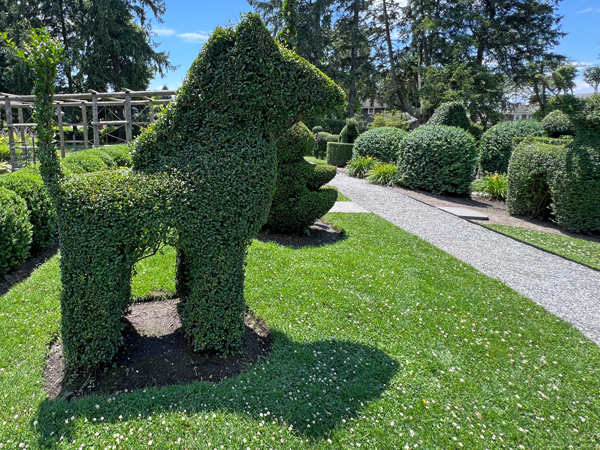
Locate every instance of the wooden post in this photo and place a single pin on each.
(95, 119)
(11, 137)
(61, 132)
(128, 129)
(85, 126)
(33, 147)
(23, 136)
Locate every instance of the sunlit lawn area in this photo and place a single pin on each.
(576, 249)
(379, 340)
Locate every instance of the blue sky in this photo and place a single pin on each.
(187, 24)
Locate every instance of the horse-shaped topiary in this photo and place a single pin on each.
(203, 179)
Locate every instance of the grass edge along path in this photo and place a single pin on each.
(580, 250)
(380, 340)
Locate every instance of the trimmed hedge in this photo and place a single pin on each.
(321, 145)
(381, 143)
(451, 114)
(84, 162)
(350, 132)
(339, 154)
(558, 177)
(42, 215)
(496, 143)
(15, 230)
(299, 199)
(557, 124)
(207, 174)
(437, 159)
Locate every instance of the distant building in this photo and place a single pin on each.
(526, 112)
(372, 107)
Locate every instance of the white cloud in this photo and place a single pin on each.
(587, 10)
(164, 32)
(194, 37)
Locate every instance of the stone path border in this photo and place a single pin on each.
(567, 289)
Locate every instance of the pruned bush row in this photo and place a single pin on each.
(338, 154)
(322, 139)
(496, 143)
(438, 159)
(381, 143)
(15, 230)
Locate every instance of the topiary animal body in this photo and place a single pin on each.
(451, 114)
(350, 132)
(204, 172)
(299, 198)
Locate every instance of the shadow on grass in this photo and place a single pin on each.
(24, 271)
(319, 234)
(312, 387)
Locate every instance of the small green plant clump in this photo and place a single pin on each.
(438, 159)
(360, 166)
(300, 197)
(390, 118)
(558, 124)
(496, 143)
(350, 132)
(15, 230)
(384, 174)
(338, 154)
(451, 114)
(493, 185)
(380, 143)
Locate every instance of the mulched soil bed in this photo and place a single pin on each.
(321, 233)
(155, 353)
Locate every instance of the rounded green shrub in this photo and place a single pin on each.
(437, 159)
(120, 154)
(299, 198)
(317, 129)
(42, 215)
(350, 132)
(557, 124)
(381, 143)
(496, 143)
(451, 114)
(15, 230)
(339, 154)
(85, 161)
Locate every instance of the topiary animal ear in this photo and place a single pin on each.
(253, 36)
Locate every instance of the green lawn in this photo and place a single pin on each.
(576, 249)
(312, 159)
(379, 339)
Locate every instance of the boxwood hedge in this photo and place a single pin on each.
(451, 114)
(437, 159)
(299, 199)
(205, 169)
(339, 154)
(321, 144)
(381, 143)
(496, 143)
(15, 230)
(350, 132)
(557, 124)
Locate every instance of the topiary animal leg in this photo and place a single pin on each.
(212, 311)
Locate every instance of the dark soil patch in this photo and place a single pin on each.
(155, 353)
(26, 269)
(321, 233)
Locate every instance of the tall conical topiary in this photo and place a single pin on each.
(299, 197)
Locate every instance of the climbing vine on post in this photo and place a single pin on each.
(289, 32)
(43, 55)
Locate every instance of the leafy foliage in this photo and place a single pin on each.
(360, 166)
(338, 154)
(452, 114)
(390, 118)
(206, 168)
(557, 124)
(494, 185)
(437, 159)
(381, 143)
(299, 198)
(350, 132)
(15, 230)
(42, 215)
(496, 143)
(385, 174)
(322, 139)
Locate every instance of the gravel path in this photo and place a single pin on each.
(567, 289)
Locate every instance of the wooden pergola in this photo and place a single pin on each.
(94, 100)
